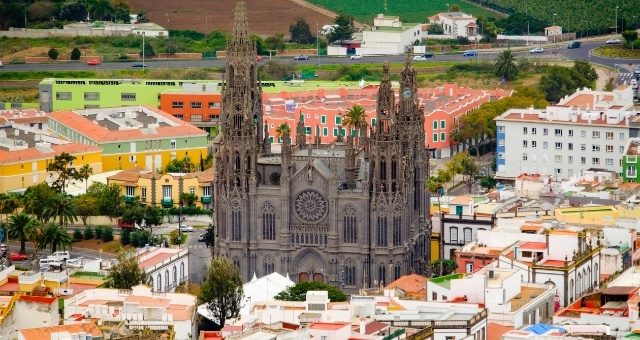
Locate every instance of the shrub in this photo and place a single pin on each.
(173, 237)
(107, 234)
(77, 235)
(140, 237)
(53, 54)
(125, 236)
(75, 54)
(98, 232)
(88, 233)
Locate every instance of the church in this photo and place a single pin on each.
(353, 213)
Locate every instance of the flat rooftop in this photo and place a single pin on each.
(527, 294)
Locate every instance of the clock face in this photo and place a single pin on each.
(406, 92)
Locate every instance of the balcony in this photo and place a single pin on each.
(129, 199)
(167, 202)
(205, 199)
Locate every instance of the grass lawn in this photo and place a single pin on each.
(407, 10)
(617, 51)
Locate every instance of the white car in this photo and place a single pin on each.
(419, 58)
(634, 83)
(75, 263)
(614, 41)
(536, 50)
(356, 57)
(60, 256)
(185, 228)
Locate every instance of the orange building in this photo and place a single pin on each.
(201, 109)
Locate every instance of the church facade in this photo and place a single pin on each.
(353, 213)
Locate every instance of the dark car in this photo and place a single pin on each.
(140, 65)
(301, 57)
(574, 44)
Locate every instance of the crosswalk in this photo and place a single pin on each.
(197, 246)
(625, 78)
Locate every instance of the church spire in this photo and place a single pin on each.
(240, 25)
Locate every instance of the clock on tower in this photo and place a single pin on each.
(406, 93)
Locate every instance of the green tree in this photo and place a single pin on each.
(275, 42)
(557, 83)
(274, 70)
(17, 229)
(61, 167)
(107, 234)
(84, 173)
(180, 165)
(100, 9)
(36, 199)
(77, 235)
(344, 30)
(62, 207)
(298, 292)
(505, 65)
(630, 37)
(121, 10)
(9, 203)
(53, 54)
(301, 32)
(441, 267)
(55, 236)
(356, 118)
(584, 74)
(148, 50)
(465, 165)
(188, 199)
(153, 215)
(75, 54)
(488, 182)
(283, 130)
(86, 205)
(221, 291)
(126, 273)
(435, 185)
(109, 199)
(88, 233)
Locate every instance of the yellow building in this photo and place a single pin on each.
(132, 137)
(153, 188)
(26, 151)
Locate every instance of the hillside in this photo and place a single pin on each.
(266, 17)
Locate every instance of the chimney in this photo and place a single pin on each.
(362, 326)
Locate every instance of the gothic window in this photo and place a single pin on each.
(166, 279)
(159, 282)
(382, 274)
(181, 271)
(349, 273)
(383, 168)
(381, 232)
(237, 162)
(269, 266)
(268, 222)
(310, 206)
(175, 276)
(397, 230)
(349, 229)
(236, 232)
(394, 168)
(397, 271)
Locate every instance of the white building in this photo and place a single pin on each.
(389, 35)
(586, 130)
(456, 24)
(165, 267)
(137, 309)
(23, 311)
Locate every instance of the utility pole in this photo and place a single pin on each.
(143, 65)
(616, 25)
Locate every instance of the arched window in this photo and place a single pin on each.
(236, 231)
(269, 266)
(159, 283)
(397, 231)
(579, 284)
(596, 275)
(175, 276)
(349, 273)
(268, 222)
(394, 168)
(151, 282)
(571, 292)
(237, 162)
(588, 276)
(383, 168)
(382, 231)
(182, 271)
(350, 234)
(166, 279)
(453, 234)
(397, 271)
(382, 274)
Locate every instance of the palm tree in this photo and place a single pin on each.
(84, 173)
(55, 236)
(283, 130)
(435, 185)
(355, 118)
(505, 65)
(18, 229)
(62, 207)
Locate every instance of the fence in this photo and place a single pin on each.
(183, 56)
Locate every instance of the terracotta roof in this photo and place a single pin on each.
(41, 333)
(495, 331)
(33, 153)
(147, 301)
(461, 200)
(620, 290)
(97, 133)
(374, 327)
(411, 283)
(533, 246)
(130, 176)
(329, 326)
(155, 260)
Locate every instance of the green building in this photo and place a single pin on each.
(631, 161)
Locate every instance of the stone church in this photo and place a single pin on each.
(353, 213)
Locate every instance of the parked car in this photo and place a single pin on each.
(202, 238)
(60, 256)
(141, 65)
(356, 57)
(52, 263)
(93, 62)
(573, 44)
(1, 64)
(75, 263)
(471, 53)
(536, 50)
(614, 41)
(14, 256)
(301, 57)
(636, 71)
(185, 228)
(634, 84)
(259, 58)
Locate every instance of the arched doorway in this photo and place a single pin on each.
(309, 266)
(303, 277)
(318, 277)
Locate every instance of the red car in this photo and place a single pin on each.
(93, 62)
(258, 58)
(17, 256)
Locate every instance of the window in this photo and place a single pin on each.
(325, 131)
(525, 130)
(533, 144)
(323, 119)
(609, 148)
(583, 133)
(558, 146)
(557, 171)
(435, 125)
(373, 122)
(545, 145)
(206, 191)
(338, 120)
(268, 222)
(595, 161)
(609, 161)
(179, 116)
(63, 95)
(130, 190)
(307, 130)
(609, 135)
(434, 296)
(173, 144)
(236, 232)
(192, 190)
(583, 147)
(177, 105)
(500, 155)
(382, 231)
(443, 136)
(127, 97)
(545, 131)
(349, 234)
(595, 134)
(214, 105)
(558, 132)
(196, 105)
(442, 124)
(570, 146)
(526, 254)
(557, 159)
(534, 131)
(524, 156)
(583, 160)
(466, 232)
(621, 135)
(595, 148)
(570, 133)
(214, 117)
(621, 149)
(196, 118)
(435, 137)
(349, 273)
(524, 143)
(166, 191)
(453, 234)
(500, 128)
(143, 192)
(631, 171)
(570, 159)
(397, 231)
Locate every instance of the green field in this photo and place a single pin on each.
(407, 10)
(585, 17)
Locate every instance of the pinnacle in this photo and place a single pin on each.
(240, 25)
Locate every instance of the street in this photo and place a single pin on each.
(199, 254)
(74, 252)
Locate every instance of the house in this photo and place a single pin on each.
(552, 31)
(412, 286)
(131, 136)
(459, 230)
(136, 309)
(631, 161)
(62, 332)
(456, 24)
(196, 103)
(390, 36)
(166, 268)
(18, 312)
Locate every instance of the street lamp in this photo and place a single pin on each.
(616, 25)
(143, 65)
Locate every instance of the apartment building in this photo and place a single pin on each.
(587, 130)
(198, 104)
(132, 136)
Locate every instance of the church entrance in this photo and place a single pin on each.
(309, 265)
(304, 277)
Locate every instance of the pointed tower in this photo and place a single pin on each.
(242, 140)
(301, 137)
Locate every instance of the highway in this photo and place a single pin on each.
(582, 53)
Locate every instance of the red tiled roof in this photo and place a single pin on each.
(495, 331)
(329, 326)
(41, 333)
(533, 246)
(33, 153)
(374, 327)
(97, 133)
(412, 283)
